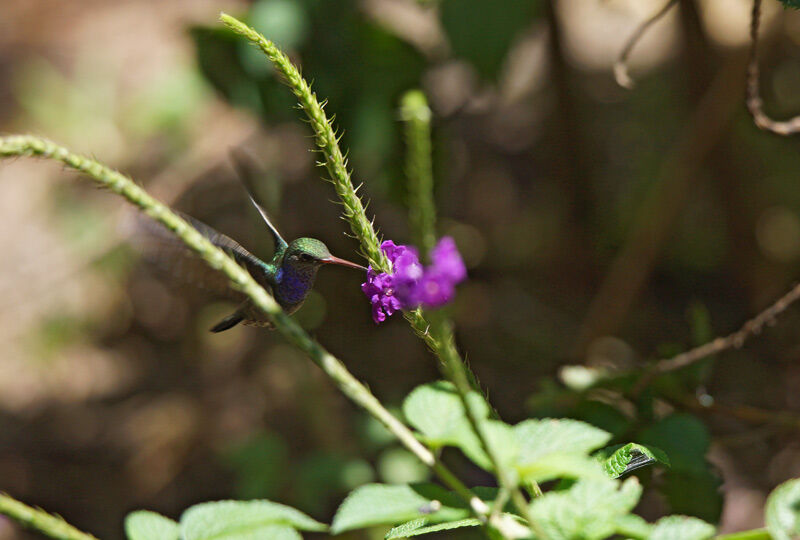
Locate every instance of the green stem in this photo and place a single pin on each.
(240, 279)
(39, 520)
(438, 333)
(419, 170)
(354, 211)
(756, 534)
(326, 139)
(455, 370)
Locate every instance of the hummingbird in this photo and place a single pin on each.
(289, 274)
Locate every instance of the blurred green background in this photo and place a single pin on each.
(602, 227)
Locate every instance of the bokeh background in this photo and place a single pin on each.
(602, 227)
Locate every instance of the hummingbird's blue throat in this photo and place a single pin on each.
(294, 283)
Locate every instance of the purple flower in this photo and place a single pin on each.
(410, 285)
(379, 288)
(447, 261)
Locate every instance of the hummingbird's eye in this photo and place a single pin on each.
(305, 257)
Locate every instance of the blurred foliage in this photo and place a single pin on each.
(360, 68)
(541, 203)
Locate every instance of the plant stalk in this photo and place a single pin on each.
(39, 520)
(240, 279)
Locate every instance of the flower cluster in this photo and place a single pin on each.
(410, 284)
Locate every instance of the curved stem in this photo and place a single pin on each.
(755, 104)
(240, 279)
(39, 520)
(621, 64)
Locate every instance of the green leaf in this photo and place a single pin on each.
(380, 504)
(146, 525)
(683, 527)
(436, 411)
(633, 526)
(550, 449)
(783, 511)
(231, 520)
(538, 438)
(794, 4)
(693, 494)
(419, 526)
(683, 438)
(554, 466)
(622, 459)
(588, 510)
(689, 485)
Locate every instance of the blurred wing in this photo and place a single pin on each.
(244, 167)
(162, 249)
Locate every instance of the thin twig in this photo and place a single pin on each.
(744, 413)
(754, 102)
(621, 64)
(39, 520)
(25, 145)
(732, 341)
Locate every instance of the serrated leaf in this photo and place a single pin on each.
(380, 504)
(586, 511)
(633, 526)
(622, 459)
(538, 438)
(550, 449)
(782, 513)
(229, 520)
(554, 466)
(418, 527)
(681, 527)
(146, 525)
(436, 411)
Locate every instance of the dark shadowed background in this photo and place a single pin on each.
(601, 226)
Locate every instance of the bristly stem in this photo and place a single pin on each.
(416, 114)
(327, 141)
(435, 329)
(39, 520)
(240, 279)
(354, 212)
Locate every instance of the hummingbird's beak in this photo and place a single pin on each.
(341, 262)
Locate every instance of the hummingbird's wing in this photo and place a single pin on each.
(166, 252)
(245, 168)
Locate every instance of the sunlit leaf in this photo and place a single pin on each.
(229, 520)
(681, 527)
(419, 526)
(782, 513)
(145, 525)
(622, 459)
(381, 504)
(587, 511)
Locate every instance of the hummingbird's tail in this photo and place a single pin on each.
(228, 322)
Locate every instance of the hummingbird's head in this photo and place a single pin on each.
(312, 253)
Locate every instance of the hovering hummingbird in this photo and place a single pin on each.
(290, 274)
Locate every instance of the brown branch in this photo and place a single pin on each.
(743, 413)
(732, 341)
(754, 102)
(632, 266)
(621, 64)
